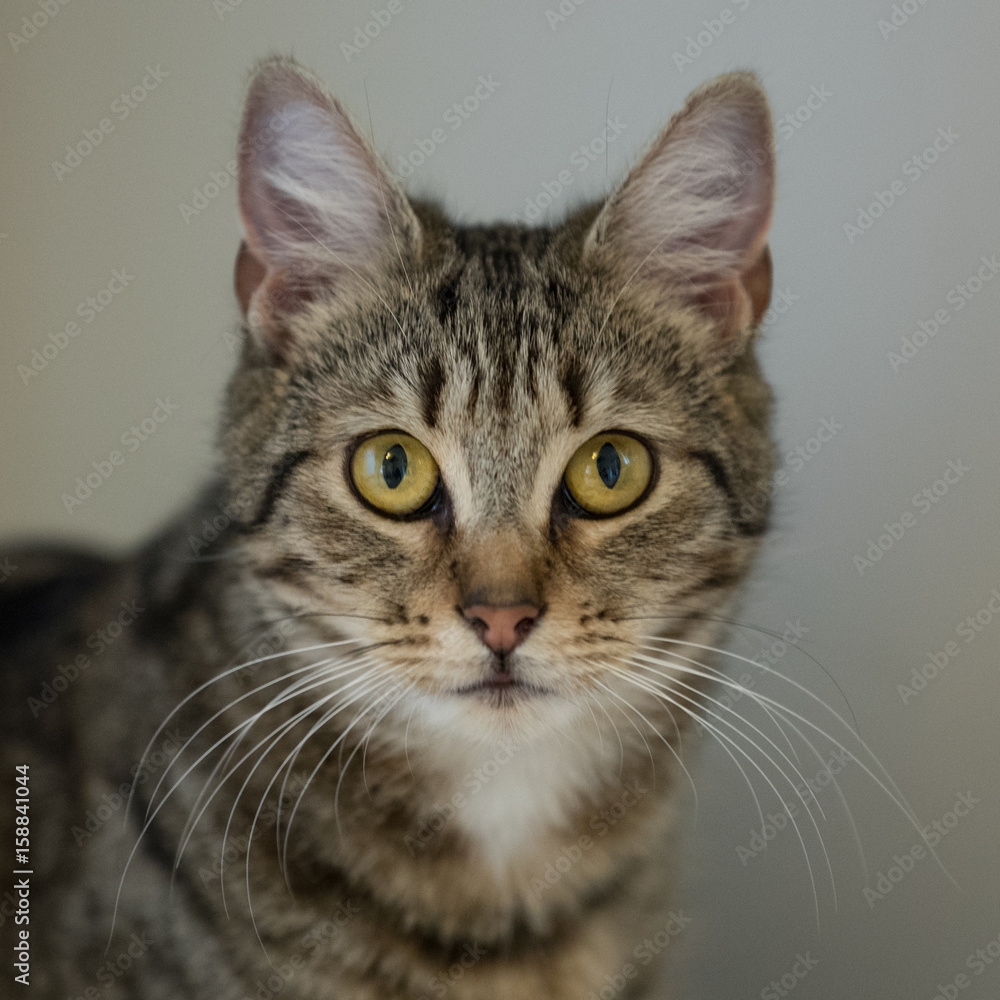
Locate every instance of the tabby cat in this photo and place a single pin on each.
(396, 709)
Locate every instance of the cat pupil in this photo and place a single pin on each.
(394, 466)
(609, 464)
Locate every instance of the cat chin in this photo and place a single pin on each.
(473, 718)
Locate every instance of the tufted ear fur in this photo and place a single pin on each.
(690, 222)
(318, 210)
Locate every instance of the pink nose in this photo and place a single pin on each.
(501, 628)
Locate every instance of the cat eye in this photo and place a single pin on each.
(609, 474)
(394, 473)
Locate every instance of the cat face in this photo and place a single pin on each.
(498, 457)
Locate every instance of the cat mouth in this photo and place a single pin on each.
(502, 689)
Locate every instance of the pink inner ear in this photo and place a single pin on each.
(692, 217)
(248, 276)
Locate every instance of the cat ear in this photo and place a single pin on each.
(690, 221)
(318, 210)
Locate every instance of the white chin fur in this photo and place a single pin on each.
(511, 773)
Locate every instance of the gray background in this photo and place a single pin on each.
(168, 335)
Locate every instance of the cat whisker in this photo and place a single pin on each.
(369, 681)
(652, 762)
(319, 669)
(338, 741)
(328, 714)
(772, 670)
(289, 760)
(675, 683)
(893, 793)
(625, 675)
(207, 684)
(774, 713)
(229, 706)
(621, 746)
(364, 743)
(365, 679)
(589, 696)
(151, 816)
(318, 679)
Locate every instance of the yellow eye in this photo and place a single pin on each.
(394, 473)
(609, 473)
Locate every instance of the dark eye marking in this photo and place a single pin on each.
(572, 384)
(432, 384)
(716, 469)
(272, 492)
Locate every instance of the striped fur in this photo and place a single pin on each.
(459, 847)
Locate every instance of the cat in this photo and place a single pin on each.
(396, 708)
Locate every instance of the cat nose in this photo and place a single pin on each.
(504, 628)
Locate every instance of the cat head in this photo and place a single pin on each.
(497, 457)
